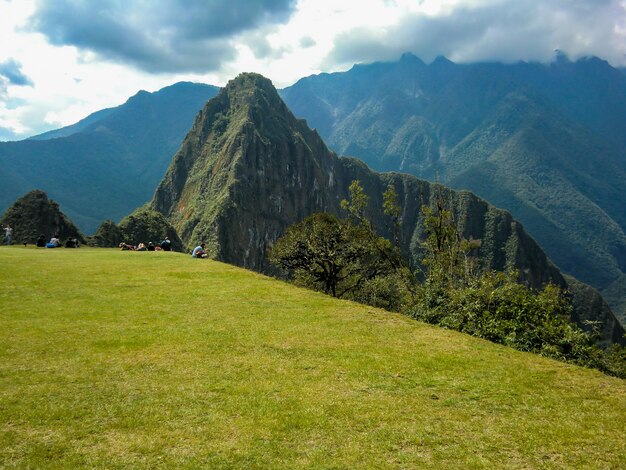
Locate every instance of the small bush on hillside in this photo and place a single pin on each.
(388, 292)
(108, 235)
(494, 306)
(614, 361)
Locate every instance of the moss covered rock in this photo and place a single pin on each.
(33, 215)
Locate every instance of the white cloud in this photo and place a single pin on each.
(497, 30)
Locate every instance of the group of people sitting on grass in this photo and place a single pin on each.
(165, 245)
(55, 242)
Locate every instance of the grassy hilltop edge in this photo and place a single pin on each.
(116, 359)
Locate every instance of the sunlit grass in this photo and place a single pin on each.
(116, 359)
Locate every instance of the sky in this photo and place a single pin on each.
(61, 60)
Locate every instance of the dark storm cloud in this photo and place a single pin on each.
(506, 30)
(11, 73)
(158, 35)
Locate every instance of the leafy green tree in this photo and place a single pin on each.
(328, 254)
(390, 253)
(393, 210)
(447, 258)
(342, 257)
(394, 290)
(357, 203)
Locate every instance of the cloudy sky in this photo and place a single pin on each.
(61, 60)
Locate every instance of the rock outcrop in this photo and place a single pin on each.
(142, 226)
(34, 214)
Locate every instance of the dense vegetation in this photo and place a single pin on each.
(114, 359)
(337, 256)
(344, 258)
(142, 226)
(248, 169)
(33, 215)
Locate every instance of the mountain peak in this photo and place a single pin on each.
(244, 138)
(410, 58)
(441, 61)
(253, 90)
(250, 80)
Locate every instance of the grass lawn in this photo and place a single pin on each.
(118, 359)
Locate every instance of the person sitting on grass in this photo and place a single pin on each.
(141, 247)
(150, 246)
(41, 241)
(198, 252)
(166, 245)
(54, 242)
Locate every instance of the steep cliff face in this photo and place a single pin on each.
(248, 169)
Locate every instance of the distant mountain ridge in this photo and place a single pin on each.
(108, 163)
(248, 169)
(80, 126)
(546, 142)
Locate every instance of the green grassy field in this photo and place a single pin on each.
(117, 359)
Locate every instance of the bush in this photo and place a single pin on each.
(494, 306)
(388, 292)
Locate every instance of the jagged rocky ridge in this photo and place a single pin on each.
(248, 169)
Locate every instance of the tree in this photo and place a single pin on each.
(345, 257)
(393, 210)
(447, 257)
(329, 254)
(356, 205)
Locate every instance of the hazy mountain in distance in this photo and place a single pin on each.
(109, 163)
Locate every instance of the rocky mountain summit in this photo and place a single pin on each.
(248, 168)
